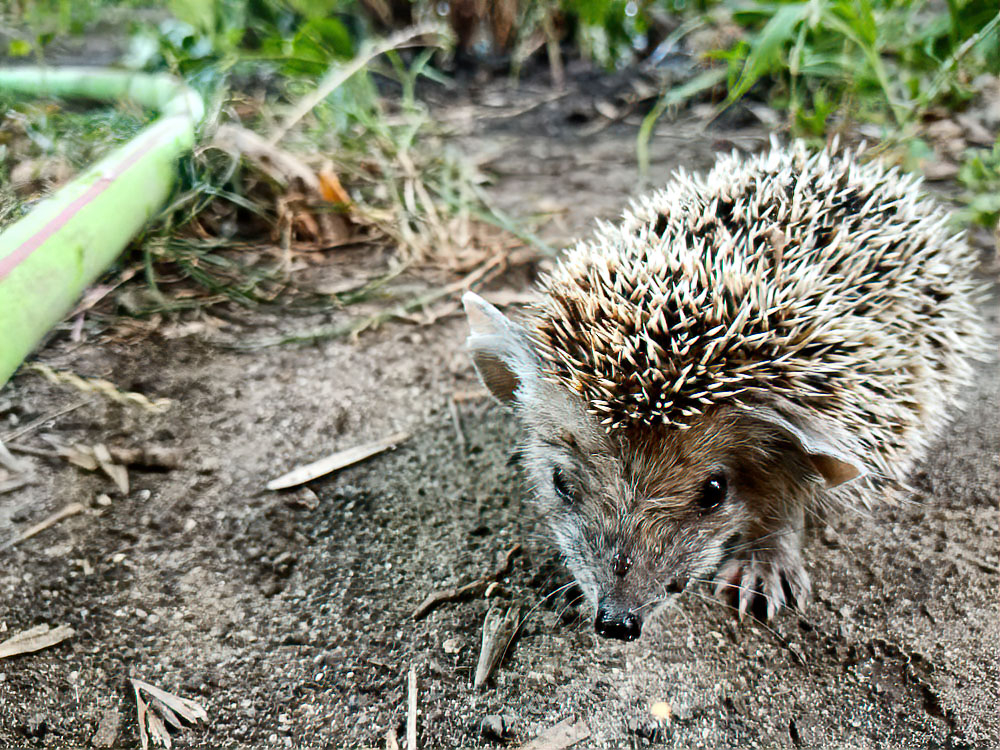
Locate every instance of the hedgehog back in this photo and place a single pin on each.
(819, 280)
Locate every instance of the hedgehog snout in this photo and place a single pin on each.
(677, 585)
(617, 620)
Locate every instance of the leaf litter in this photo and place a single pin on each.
(348, 182)
(34, 639)
(156, 708)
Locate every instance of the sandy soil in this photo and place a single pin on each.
(287, 615)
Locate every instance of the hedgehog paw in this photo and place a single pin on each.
(763, 583)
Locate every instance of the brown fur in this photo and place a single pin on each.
(637, 493)
(726, 359)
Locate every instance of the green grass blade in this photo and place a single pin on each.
(675, 95)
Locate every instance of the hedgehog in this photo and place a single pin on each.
(741, 352)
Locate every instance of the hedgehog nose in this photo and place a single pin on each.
(677, 585)
(613, 622)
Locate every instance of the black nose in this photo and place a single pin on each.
(613, 623)
(677, 585)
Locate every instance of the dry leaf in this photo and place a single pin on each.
(82, 456)
(168, 716)
(158, 730)
(140, 707)
(70, 510)
(335, 461)
(563, 735)
(499, 629)
(7, 460)
(331, 189)
(35, 639)
(162, 708)
(189, 710)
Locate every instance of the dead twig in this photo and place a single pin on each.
(499, 629)
(564, 734)
(70, 510)
(34, 639)
(148, 456)
(30, 451)
(456, 420)
(411, 709)
(9, 485)
(469, 590)
(335, 461)
(8, 461)
(36, 423)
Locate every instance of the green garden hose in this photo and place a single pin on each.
(50, 256)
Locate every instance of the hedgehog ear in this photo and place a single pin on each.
(499, 349)
(829, 453)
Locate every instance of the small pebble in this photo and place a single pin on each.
(107, 728)
(497, 726)
(661, 711)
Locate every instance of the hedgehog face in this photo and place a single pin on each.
(640, 511)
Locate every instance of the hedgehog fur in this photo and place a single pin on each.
(830, 283)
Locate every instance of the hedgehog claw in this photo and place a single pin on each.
(763, 584)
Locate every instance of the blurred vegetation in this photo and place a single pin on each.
(822, 65)
(886, 60)
(377, 171)
(980, 176)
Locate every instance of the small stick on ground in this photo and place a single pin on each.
(34, 639)
(35, 424)
(31, 451)
(564, 734)
(499, 629)
(554, 54)
(16, 483)
(8, 461)
(469, 590)
(456, 419)
(335, 461)
(411, 709)
(70, 510)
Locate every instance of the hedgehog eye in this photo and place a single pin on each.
(562, 487)
(713, 493)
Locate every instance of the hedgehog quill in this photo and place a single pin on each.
(743, 349)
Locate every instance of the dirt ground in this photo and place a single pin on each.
(288, 615)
